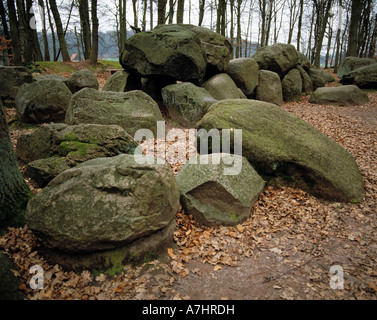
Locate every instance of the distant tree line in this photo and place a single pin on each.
(324, 30)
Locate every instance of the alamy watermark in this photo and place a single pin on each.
(219, 143)
(337, 278)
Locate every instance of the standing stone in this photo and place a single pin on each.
(292, 85)
(221, 87)
(186, 102)
(269, 87)
(244, 72)
(214, 197)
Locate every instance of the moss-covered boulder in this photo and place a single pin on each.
(57, 147)
(307, 84)
(244, 72)
(214, 197)
(103, 204)
(269, 88)
(317, 78)
(171, 50)
(221, 87)
(123, 81)
(43, 101)
(292, 85)
(131, 110)
(349, 95)
(287, 150)
(279, 58)
(56, 77)
(84, 79)
(364, 77)
(186, 102)
(11, 79)
(349, 64)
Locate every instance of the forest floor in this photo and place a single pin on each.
(293, 245)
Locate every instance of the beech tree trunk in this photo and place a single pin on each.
(14, 192)
(94, 51)
(59, 28)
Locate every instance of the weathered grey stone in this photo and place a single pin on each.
(364, 77)
(214, 196)
(349, 64)
(131, 110)
(186, 102)
(11, 79)
(84, 79)
(123, 81)
(292, 85)
(269, 88)
(285, 149)
(221, 87)
(349, 95)
(317, 78)
(244, 72)
(43, 101)
(303, 61)
(56, 77)
(104, 203)
(279, 58)
(173, 51)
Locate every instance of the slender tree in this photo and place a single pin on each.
(44, 30)
(352, 49)
(94, 51)
(85, 27)
(373, 42)
(299, 25)
(201, 11)
(59, 28)
(180, 11)
(161, 11)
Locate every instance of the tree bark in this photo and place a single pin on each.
(14, 192)
(352, 49)
(299, 25)
(32, 33)
(85, 27)
(13, 30)
(44, 30)
(59, 28)
(52, 30)
(151, 13)
(180, 11)
(161, 11)
(201, 11)
(94, 52)
(373, 42)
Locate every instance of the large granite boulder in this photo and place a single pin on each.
(349, 64)
(171, 51)
(292, 85)
(57, 147)
(307, 84)
(214, 197)
(123, 81)
(104, 203)
(269, 88)
(11, 79)
(349, 95)
(285, 149)
(186, 102)
(364, 77)
(43, 101)
(131, 110)
(221, 87)
(278, 57)
(84, 79)
(56, 77)
(244, 72)
(317, 78)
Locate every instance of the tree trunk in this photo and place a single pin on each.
(25, 47)
(373, 42)
(52, 30)
(171, 11)
(13, 30)
(144, 21)
(239, 38)
(44, 30)
(59, 28)
(201, 11)
(14, 192)
(180, 11)
(5, 28)
(161, 11)
(352, 49)
(32, 33)
(232, 25)
(134, 8)
(220, 25)
(337, 53)
(151, 13)
(85, 27)
(94, 52)
(328, 46)
(300, 24)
